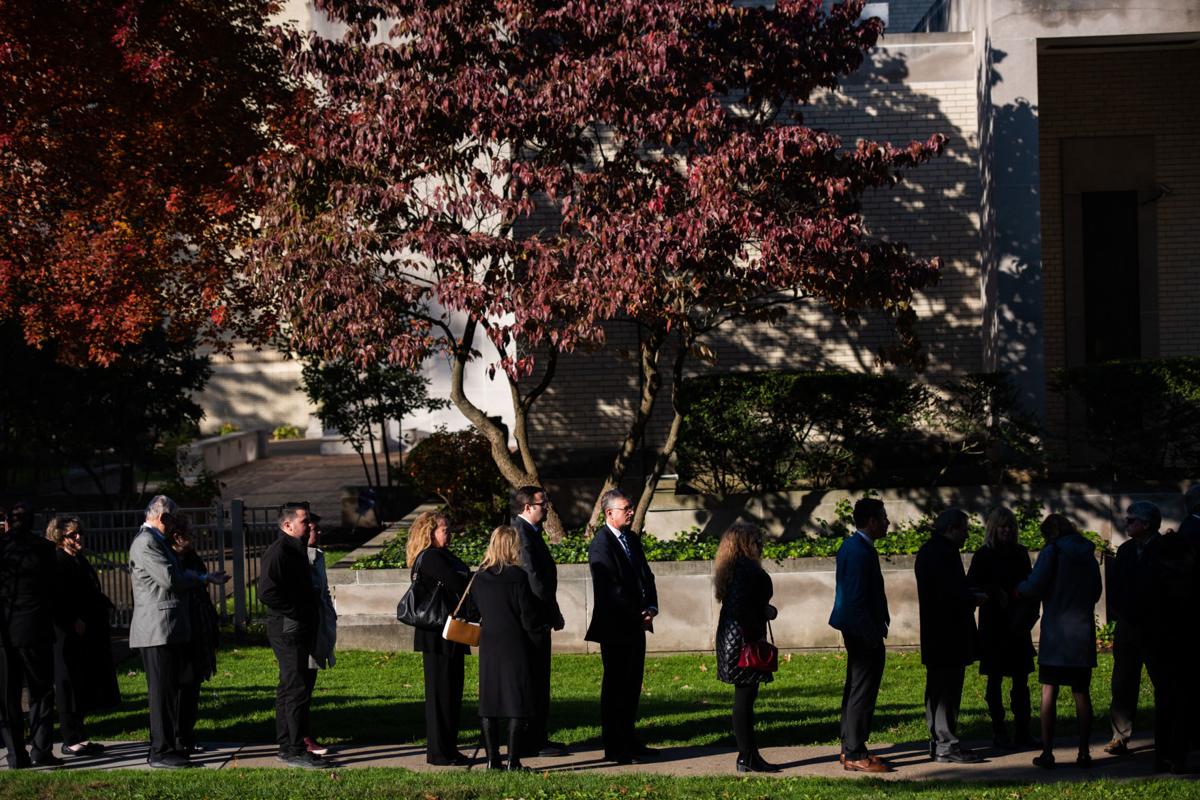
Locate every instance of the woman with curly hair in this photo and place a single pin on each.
(744, 589)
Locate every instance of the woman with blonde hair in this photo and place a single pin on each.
(511, 616)
(744, 589)
(85, 679)
(430, 560)
(1005, 642)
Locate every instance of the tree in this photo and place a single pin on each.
(664, 134)
(360, 401)
(123, 129)
(125, 414)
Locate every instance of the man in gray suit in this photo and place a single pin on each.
(160, 626)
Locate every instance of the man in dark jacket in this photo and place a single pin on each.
(28, 593)
(529, 508)
(860, 612)
(948, 634)
(624, 607)
(285, 587)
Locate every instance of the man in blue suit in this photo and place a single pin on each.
(860, 612)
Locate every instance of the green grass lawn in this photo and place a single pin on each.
(388, 784)
(377, 698)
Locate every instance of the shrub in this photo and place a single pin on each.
(761, 431)
(228, 428)
(287, 432)
(985, 420)
(458, 468)
(1140, 418)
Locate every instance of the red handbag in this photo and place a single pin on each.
(762, 655)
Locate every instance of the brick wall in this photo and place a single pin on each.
(1145, 93)
(593, 396)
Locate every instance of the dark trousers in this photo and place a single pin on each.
(743, 719)
(189, 709)
(32, 668)
(70, 725)
(620, 690)
(443, 704)
(943, 696)
(164, 667)
(1018, 701)
(293, 695)
(535, 734)
(1129, 656)
(1169, 673)
(864, 672)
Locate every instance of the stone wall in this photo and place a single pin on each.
(687, 622)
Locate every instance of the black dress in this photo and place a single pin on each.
(511, 617)
(442, 659)
(85, 679)
(1005, 641)
(744, 614)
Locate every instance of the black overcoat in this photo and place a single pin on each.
(511, 617)
(744, 614)
(84, 675)
(1005, 621)
(948, 634)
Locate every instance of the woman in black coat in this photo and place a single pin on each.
(744, 589)
(205, 623)
(429, 555)
(85, 679)
(1005, 641)
(510, 615)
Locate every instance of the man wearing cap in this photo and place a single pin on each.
(285, 587)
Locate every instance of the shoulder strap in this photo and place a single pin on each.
(466, 592)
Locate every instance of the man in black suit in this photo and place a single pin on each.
(948, 633)
(860, 612)
(624, 606)
(28, 593)
(529, 508)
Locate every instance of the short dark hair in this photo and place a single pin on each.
(950, 519)
(867, 509)
(524, 496)
(20, 515)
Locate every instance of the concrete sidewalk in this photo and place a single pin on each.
(911, 761)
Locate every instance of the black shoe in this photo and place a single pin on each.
(514, 765)
(80, 750)
(755, 763)
(1083, 760)
(170, 761)
(1045, 760)
(48, 760)
(553, 749)
(619, 758)
(457, 759)
(957, 757)
(305, 760)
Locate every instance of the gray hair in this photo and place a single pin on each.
(1147, 512)
(949, 520)
(610, 498)
(1191, 498)
(160, 504)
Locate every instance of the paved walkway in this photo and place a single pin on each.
(910, 760)
(279, 478)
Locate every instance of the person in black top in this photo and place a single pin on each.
(529, 508)
(744, 589)
(625, 603)
(29, 610)
(201, 661)
(431, 561)
(511, 618)
(1005, 625)
(85, 678)
(948, 635)
(285, 588)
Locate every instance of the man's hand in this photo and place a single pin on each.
(217, 578)
(560, 623)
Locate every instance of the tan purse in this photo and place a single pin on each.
(459, 630)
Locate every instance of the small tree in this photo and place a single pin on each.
(360, 402)
(457, 467)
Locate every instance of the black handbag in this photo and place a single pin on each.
(426, 604)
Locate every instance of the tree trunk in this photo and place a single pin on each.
(374, 459)
(667, 450)
(649, 350)
(387, 460)
(517, 474)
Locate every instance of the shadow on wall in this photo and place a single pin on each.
(586, 411)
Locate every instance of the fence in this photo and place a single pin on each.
(228, 539)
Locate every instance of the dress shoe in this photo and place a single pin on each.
(619, 758)
(868, 764)
(83, 749)
(48, 760)
(170, 761)
(553, 749)
(957, 757)
(1083, 760)
(755, 763)
(1117, 747)
(643, 752)
(1045, 760)
(455, 759)
(305, 760)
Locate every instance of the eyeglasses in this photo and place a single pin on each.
(544, 503)
(624, 510)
